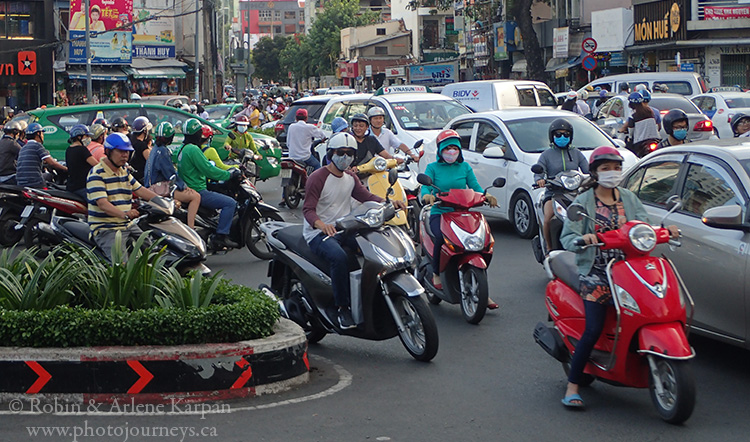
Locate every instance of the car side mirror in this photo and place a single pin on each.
(725, 217)
(424, 180)
(493, 153)
(576, 212)
(537, 168)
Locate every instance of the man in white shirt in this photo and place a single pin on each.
(299, 138)
(384, 135)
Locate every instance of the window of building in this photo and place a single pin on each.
(264, 29)
(277, 15)
(380, 31)
(290, 29)
(264, 15)
(430, 34)
(381, 50)
(21, 20)
(277, 29)
(290, 15)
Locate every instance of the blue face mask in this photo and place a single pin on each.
(561, 142)
(680, 134)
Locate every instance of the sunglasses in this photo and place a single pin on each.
(342, 152)
(561, 134)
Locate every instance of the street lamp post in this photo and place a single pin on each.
(89, 92)
(197, 62)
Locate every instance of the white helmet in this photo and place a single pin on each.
(583, 95)
(641, 87)
(341, 140)
(571, 95)
(376, 111)
(279, 100)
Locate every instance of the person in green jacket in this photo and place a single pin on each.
(448, 172)
(612, 206)
(194, 168)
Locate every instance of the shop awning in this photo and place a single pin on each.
(162, 72)
(98, 73)
(519, 66)
(562, 63)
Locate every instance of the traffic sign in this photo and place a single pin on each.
(588, 63)
(589, 45)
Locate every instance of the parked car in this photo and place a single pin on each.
(166, 100)
(613, 114)
(683, 83)
(314, 106)
(486, 95)
(721, 106)
(223, 114)
(522, 134)
(714, 258)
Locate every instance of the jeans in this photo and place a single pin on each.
(312, 162)
(330, 248)
(596, 313)
(225, 204)
(438, 244)
(105, 239)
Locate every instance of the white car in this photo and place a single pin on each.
(721, 106)
(518, 137)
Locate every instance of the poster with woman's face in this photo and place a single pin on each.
(110, 37)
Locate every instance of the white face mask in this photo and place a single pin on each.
(241, 129)
(610, 178)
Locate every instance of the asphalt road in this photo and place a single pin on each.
(487, 382)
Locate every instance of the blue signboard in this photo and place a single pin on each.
(687, 67)
(106, 48)
(432, 74)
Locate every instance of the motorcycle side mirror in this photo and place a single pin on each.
(418, 144)
(537, 168)
(392, 176)
(673, 203)
(576, 212)
(499, 182)
(424, 180)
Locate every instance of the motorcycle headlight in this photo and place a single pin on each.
(560, 210)
(373, 217)
(380, 164)
(571, 182)
(643, 237)
(625, 300)
(472, 242)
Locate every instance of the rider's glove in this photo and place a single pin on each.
(491, 200)
(428, 199)
(235, 173)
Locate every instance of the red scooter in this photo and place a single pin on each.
(42, 204)
(644, 342)
(466, 254)
(294, 177)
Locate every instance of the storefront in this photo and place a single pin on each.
(660, 33)
(108, 85)
(26, 79)
(156, 77)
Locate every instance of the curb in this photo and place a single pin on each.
(157, 374)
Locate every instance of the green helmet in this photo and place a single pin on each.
(192, 127)
(165, 129)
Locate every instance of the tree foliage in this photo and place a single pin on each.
(266, 58)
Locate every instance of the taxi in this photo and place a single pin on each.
(720, 104)
(412, 112)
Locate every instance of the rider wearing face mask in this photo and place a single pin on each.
(448, 172)
(676, 126)
(611, 206)
(79, 159)
(561, 156)
(328, 195)
(242, 138)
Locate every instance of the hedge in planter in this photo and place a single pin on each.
(72, 299)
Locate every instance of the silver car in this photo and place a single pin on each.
(711, 178)
(613, 114)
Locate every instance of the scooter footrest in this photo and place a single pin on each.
(550, 341)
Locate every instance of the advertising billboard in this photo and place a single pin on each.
(153, 34)
(432, 74)
(111, 38)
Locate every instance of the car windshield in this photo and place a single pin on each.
(219, 112)
(736, 102)
(669, 103)
(532, 134)
(746, 165)
(426, 115)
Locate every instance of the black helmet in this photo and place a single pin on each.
(560, 124)
(735, 121)
(671, 118)
(119, 122)
(359, 117)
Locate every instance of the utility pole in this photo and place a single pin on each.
(89, 92)
(197, 61)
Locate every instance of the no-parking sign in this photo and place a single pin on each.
(588, 45)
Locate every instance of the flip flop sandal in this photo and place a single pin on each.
(568, 401)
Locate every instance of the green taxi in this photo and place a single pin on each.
(223, 114)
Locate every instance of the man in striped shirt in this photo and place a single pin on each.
(109, 188)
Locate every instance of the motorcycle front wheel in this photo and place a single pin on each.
(255, 239)
(474, 293)
(676, 402)
(412, 216)
(420, 334)
(291, 195)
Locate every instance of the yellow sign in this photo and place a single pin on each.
(674, 19)
(660, 29)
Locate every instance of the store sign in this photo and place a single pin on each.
(433, 74)
(560, 38)
(154, 37)
(398, 71)
(27, 63)
(501, 48)
(22, 66)
(110, 37)
(660, 21)
(725, 13)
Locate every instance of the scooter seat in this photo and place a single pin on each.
(563, 265)
(66, 195)
(293, 239)
(77, 228)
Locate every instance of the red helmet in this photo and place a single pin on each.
(447, 134)
(206, 132)
(242, 120)
(602, 154)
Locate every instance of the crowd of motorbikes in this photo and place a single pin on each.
(644, 344)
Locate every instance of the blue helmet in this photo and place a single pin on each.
(34, 128)
(646, 95)
(339, 124)
(635, 98)
(119, 141)
(79, 130)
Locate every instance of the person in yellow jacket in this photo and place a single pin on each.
(209, 152)
(243, 139)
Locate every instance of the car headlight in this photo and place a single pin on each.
(373, 217)
(625, 300)
(571, 182)
(472, 242)
(643, 237)
(380, 164)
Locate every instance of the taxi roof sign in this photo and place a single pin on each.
(403, 89)
(726, 89)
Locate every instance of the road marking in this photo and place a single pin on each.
(345, 380)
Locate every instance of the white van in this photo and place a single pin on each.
(486, 95)
(683, 83)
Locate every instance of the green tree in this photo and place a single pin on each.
(324, 40)
(297, 58)
(265, 58)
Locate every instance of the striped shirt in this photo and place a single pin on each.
(117, 186)
(29, 167)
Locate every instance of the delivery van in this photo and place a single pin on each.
(486, 95)
(683, 83)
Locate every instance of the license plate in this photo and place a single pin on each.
(286, 173)
(27, 211)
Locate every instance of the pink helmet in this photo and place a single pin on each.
(602, 154)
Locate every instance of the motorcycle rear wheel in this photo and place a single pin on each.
(9, 236)
(475, 294)
(412, 216)
(255, 239)
(32, 239)
(291, 195)
(420, 334)
(678, 383)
